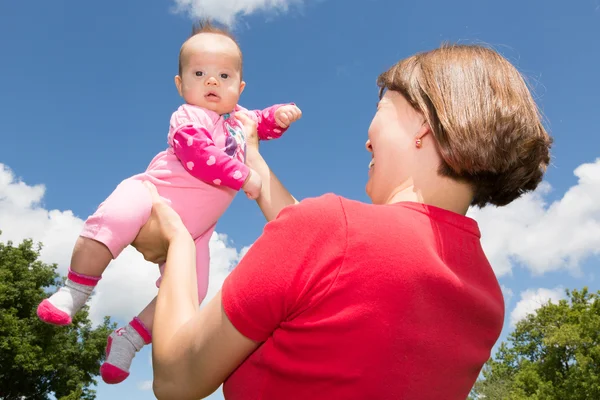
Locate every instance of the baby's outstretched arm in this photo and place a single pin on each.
(198, 154)
(272, 122)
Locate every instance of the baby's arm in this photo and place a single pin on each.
(267, 127)
(197, 152)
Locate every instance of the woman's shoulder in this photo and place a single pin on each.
(324, 200)
(313, 216)
(320, 209)
(330, 207)
(332, 200)
(334, 211)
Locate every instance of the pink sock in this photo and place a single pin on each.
(122, 345)
(60, 308)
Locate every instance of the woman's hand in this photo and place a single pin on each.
(273, 196)
(163, 226)
(252, 141)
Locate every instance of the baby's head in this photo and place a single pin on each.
(210, 69)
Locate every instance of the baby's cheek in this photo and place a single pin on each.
(191, 97)
(234, 95)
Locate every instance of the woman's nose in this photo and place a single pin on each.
(368, 146)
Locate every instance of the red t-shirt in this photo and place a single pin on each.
(361, 301)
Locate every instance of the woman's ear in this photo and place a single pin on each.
(423, 131)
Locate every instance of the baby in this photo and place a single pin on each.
(199, 174)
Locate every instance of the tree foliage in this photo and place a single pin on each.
(553, 354)
(38, 360)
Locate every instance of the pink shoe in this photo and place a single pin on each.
(52, 315)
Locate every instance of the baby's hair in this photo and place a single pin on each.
(205, 26)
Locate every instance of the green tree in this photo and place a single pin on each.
(553, 354)
(38, 360)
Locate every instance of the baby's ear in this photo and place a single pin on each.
(242, 86)
(178, 84)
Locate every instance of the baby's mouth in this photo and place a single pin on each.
(211, 95)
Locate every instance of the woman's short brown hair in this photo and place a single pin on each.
(486, 124)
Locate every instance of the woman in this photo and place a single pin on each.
(343, 300)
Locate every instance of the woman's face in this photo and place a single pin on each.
(392, 144)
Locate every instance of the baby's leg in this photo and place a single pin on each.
(203, 263)
(105, 234)
(123, 344)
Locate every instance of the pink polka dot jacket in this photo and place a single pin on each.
(212, 147)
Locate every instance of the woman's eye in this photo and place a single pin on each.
(224, 76)
(199, 73)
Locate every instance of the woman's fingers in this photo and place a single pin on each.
(250, 128)
(249, 123)
(153, 192)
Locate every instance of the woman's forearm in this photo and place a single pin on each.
(194, 350)
(177, 302)
(273, 195)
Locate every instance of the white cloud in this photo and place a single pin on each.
(228, 11)
(531, 300)
(545, 237)
(129, 282)
(507, 293)
(145, 385)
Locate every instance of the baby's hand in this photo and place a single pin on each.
(253, 185)
(285, 115)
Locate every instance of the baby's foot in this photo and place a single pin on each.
(60, 308)
(122, 345)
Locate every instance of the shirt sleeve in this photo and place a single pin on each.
(267, 128)
(196, 150)
(290, 267)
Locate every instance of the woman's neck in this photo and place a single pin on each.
(444, 193)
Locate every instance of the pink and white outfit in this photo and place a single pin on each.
(198, 175)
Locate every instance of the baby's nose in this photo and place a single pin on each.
(211, 81)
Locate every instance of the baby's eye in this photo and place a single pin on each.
(199, 73)
(224, 76)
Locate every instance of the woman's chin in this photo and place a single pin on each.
(368, 187)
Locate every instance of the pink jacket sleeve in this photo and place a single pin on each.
(267, 128)
(197, 152)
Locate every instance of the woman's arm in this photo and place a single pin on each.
(193, 350)
(273, 196)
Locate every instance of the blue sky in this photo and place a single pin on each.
(86, 92)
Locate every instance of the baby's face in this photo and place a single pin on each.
(211, 73)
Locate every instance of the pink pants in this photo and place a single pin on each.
(119, 218)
